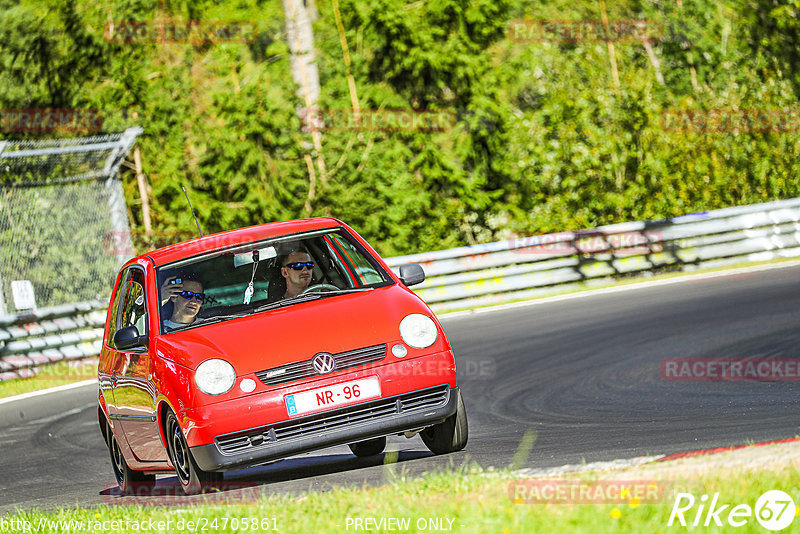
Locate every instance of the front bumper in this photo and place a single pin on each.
(358, 422)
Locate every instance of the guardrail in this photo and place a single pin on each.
(49, 335)
(525, 267)
(492, 273)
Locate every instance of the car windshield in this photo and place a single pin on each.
(263, 275)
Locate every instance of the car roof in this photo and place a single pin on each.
(193, 247)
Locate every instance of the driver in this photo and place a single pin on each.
(187, 297)
(297, 269)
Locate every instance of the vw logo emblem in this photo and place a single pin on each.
(323, 363)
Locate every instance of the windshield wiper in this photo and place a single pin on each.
(285, 302)
(322, 293)
(313, 295)
(218, 318)
(257, 309)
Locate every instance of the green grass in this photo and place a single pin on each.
(472, 501)
(50, 376)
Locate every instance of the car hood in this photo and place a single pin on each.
(297, 332)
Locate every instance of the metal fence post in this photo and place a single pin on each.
(3, 309)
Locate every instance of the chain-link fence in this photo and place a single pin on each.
(60, 203)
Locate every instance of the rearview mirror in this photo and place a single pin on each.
(260, 254)
(411, 274)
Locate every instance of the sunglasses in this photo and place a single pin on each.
(189, 295)
(299, 266)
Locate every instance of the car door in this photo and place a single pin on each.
(134, 391)
(109, 364)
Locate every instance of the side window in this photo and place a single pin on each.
(113, 314)
(356, 263)
(134, 311)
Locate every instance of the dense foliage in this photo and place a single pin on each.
(539, 138)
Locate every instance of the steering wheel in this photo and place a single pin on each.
(328, 287)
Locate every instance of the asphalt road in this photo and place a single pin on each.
(583, 374)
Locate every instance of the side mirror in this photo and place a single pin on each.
(129, 338)
(411, 274)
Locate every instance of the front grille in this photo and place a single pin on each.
(320, 423)
(299, 370)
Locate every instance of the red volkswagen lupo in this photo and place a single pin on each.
(244, 347)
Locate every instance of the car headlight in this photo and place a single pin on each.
(215, 377)
(418, 330)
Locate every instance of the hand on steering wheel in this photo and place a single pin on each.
(317, 287)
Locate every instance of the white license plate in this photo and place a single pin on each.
(325, 398)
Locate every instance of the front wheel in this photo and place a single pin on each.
(192, 478)
(127, 478)
(370, 447)
(451, 434)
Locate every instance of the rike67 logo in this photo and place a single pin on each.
(774, 510)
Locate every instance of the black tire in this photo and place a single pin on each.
(451, 434)
(192, 479)
(129, 480)
(370, 447)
